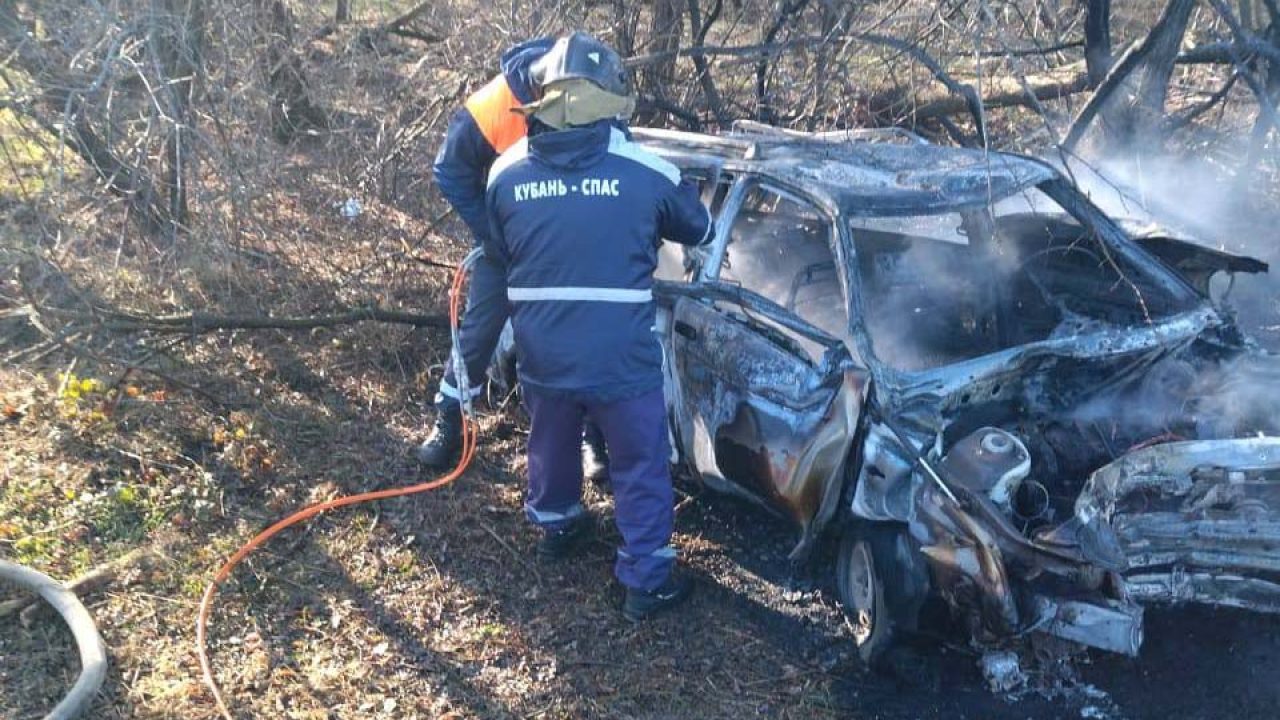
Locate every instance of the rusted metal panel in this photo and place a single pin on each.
(759, 418)
(1224, 590)
(1207, 512)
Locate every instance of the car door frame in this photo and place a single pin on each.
(807, 472)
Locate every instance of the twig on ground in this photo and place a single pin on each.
(88, 582)
(537, 576)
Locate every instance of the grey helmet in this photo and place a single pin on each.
(580, 56)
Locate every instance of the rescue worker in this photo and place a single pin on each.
(485, 127)
(577, 211)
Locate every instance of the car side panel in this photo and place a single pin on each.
(759, 420)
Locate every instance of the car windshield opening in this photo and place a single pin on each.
(942, 288)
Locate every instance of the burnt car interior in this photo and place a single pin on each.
(780, 248)
(943, 288)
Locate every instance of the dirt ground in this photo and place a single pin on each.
(487, 633)
(432, 607)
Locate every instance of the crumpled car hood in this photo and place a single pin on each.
(1096, 341)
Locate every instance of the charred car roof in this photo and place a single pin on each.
(862, 173)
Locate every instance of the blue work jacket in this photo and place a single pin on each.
(484, 128)
(576, 217)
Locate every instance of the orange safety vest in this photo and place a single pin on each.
(492, 108)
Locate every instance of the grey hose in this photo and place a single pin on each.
(93, 654)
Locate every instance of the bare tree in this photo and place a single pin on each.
(178, 30)
(292, 109)
(60, 99)
(1097, 39)
(766, 111)
(665, 27)
(699, 27)
(1130, 101)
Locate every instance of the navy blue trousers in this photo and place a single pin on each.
(635, 430)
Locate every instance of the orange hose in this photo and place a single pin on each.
(470, 438)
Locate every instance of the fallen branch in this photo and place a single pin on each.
(409, 15)
(1032, 51)
(204, 322)
(90, 582)
(403, 25)
(198, 322)
(737, 51)
(965, 93)
(78, 350)
(687, 119)
(777, 48)
(1008, 91)
(1225, 52)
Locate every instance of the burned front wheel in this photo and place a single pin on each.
(861, 588)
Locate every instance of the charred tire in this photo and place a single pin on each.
(860, 565)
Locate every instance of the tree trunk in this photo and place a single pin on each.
(699, 28)
(342, 13)
(1129, 104)
(666, 24)
(292, 110)
(625, 20)
(1262, 125)
(1246, 15)
(179, 44)
(1097, 39)
(765, 112)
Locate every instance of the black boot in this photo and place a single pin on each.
(441, 449)
(562, 543)
(595, 457)
(641, 605)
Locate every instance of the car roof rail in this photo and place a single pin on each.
(885, 134)
(729, 145)
(752, 128)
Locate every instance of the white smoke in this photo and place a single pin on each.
(1199, 201)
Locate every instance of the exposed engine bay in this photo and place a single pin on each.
(1084, 488)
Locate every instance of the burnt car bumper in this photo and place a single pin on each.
(1197, 521)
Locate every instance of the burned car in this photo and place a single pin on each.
(986, 388)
